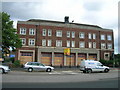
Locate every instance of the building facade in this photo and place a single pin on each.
(44, 41)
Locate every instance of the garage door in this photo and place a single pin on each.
(70, 60)
(80, 58)
(26, 57)
(46, 58)
(92, 57)
(58, 59)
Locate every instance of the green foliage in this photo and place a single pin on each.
(16, 63)
(9, 36)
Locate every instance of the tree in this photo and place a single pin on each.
(9, 37)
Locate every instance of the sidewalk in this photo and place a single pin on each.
(61, 69)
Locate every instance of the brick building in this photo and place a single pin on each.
(44, 41)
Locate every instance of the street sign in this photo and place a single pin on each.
(67, 51)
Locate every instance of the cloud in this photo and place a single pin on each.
(103, 13)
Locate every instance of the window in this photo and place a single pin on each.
(103, 45)
(43, 42)
(102, 37)
(82, 45)
(31, 31)
(94, 36)
(81, 35)
(73, 34)
(73, 43)
(44, 32)
(49, 32)
(59, 33)
(94, 44)
(23, 31)
(68, 43)
(107, 56)
(49, 42)
(89, 36)
(109, 46)
(31, 41)
(109, 37)
(58, 43)
(23, 41)
(26, 53)
(90, 44)
(68, 33)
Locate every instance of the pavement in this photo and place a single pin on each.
(63, 69)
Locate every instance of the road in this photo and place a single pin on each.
(60, 79)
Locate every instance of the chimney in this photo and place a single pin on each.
(66, 19)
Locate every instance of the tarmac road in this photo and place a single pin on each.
(60, 79)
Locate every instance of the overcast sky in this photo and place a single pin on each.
(103, 13)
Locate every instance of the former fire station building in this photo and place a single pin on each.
(44, 41)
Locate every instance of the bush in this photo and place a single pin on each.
(16, 63)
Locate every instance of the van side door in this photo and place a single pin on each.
(99, 67)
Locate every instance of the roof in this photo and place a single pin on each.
(39, 20)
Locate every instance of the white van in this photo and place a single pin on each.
(88, 66)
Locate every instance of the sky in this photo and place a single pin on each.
(103, 13)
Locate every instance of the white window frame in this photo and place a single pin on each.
(68, 34)
(81, 35)
(31, 42)
(109, 37)
(23, 31)
(103, 46)
(73, 43)
(32, 31)
(94, 44)
(58, 43)
(102, 37)
(109, 46)
(90, 44)
(43, 42)
(81, 44)
(58, 33)
(49, 32)
(23, 41)
(68, 43)
(44, 32)
(49, 43)
(89, 35)
(94, 36)
(73, 34)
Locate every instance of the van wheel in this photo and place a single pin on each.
(106, 70)
(30, 69)
(48, 70)
(89, 71)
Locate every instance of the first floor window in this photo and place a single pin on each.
(58, 43)
(73, 34)
(109, 37)
(68, 33)
(89, 36)
(73, 43)
(102, 37)
(82, 45)
(68, 43)
(109, 46)
(31, 41)
(94, 36)
(43, 42)
(49, 32)
(103, 46)
(90, 44)
(94, 44)
(59, 33)
(49, 42)
(23, 41)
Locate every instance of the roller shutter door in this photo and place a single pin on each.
(92, 57)
(46, 58)
(26, 57)
(58, 59)
(80, 58)
(70, 60)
